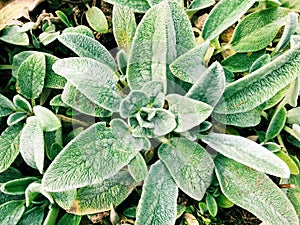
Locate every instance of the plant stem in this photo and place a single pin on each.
(72, 120)
(5, 67)
(280, 141)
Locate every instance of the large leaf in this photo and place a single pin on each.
(189, 112)
(255, 192)
(248, 153)
(94, 79)
(11, 212)
(257, 30)
(163, 34)
(252, 90)
(85, 46)
(9, 146)
(6, 106)
(159, 197)
(99, 197)
(92, 157)
(223, 15)
(189, 164)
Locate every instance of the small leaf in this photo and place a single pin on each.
(22, 104)
(32, 143)
(12, 36)
(31, 76)
(289, 161)
(62, 16)
(17, 186)
(253, 191)
(211, 204)
(96, 19)
(223, 15)
(6, 106)
(248, 153)
(189, 164)
(224, 202)
(48, 37)
(276, 124)
(33, 216)
(122, 61)
(69, 219)
(158, 201)
(137, 168)
(155, 90)
(11, 212)
(16, 117)
(47, 118)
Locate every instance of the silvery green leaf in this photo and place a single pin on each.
(210, 85)
(47, 118)
(252, 90)
(96, 19)
(295, 39)
(189, 164)
(22, 104)
(251, 35)
(12, 36)
(254, 191)
(11, 212)
(223, 15)
(85, 46)
(93, 156)
(124, 26)
(133, 102)
(248, 153)
(197, 5)
(293, 116)
(9, 145)
(33, 216)
(260, 62)
(93, 79)
(17, 186)
(48, 37)
(276, 124)
(163, 35)
(211, 204)
(33, 190)
(72, 97)
(80, 29)
(292, 4)
(155, 90)
(189, 66)
(52, 79)
(69, 219)
(64, 199)
(189, 112)
(6, 106)
(99, 197)
(294, 193)
(292, 94)
(122, 61)
(137, 168)
(289, 162)
(31, 75)
(159, 198)
(16, 118)
(140, 6)
(275, 99)
(32, 143)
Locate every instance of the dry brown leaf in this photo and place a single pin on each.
(14, 9)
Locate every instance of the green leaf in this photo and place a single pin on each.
(6, 106)
(12, 35)
(275, 99)
(52, 215)
(33, 190)
(260, 62)
(124, 27)
(52, 79)
(133, 102)
(255, 192)
(111, 149)
(22, 104)
(64, 199)
(248, 153)
(252, 90)
(140, 6)
(85, 46)
(189, 164)
(159, 197)
(16, 117)
(197, 5)
(9, 146)
(78, 101)
(210, 86)
(258, 29)
(122, 61)
(223, 15)
(293, 116)
(137, 168)
(155, 91)
(292, 94)
(62, 16)
(99, 197)
(11, 212)
(163, 35)
(224, 202)
(294, 193)
(32, 143)
(189, 112)
(47, 118)
(80, 29)
(289, 161)
(17, 186)
(96, 19)
(211, 204)
(69, 219)
(276, 124)
(292, 4)
(33, 216)
(48, 37)
(99, 84)
(130, 212)
(31, 76)
(241, 62)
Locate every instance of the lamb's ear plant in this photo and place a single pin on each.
(157, 107)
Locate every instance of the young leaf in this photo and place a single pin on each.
(69, 219)
(62, 16)
(33, 216)
(124, 27)
(254, 191)
(276, 124)
(224, 202)
(223, 15)
(6, 106)
(158, 201)
(189, 164)
(140, 6)
(32, 143)
(260, 62)
(248, 153)
(15, 118)
(22, 104)
(31, 76)
(137, 168)
(257, 30)
(111, 149)
(12, 36)
(11, 212)
(155, 91)
(9, 145)
(47, 118)
(289, 161)
(96, 19)
(85, 46)
(189, 112)
(17, 186)
(252, 90)
(211, 203)
(292, 4)
(99, 83)
(99, 197)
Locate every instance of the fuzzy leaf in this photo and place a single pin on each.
(260, 62)
(155, 90)
(47, 118)
(64, 199)
(248, 153)
(96, 19)
(159, 197)
(254, 191)
(137, 168)
(294, 193)
(6, 106)
(289, 161)
(9, 146)
(33, 216)
(16, 117)
(276, 124)
(212, 206)
(69, 219)
(196, 5)
(80, 29)
(17, 186)
(93, 156)
(140, 6)
(223, 15)
(22, 104)
(189, 164)
(94, 79)
(293, 116)
(52, 79)
(292, 4)
(11, 212)
(12, 36)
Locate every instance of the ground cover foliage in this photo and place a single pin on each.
(150, 112)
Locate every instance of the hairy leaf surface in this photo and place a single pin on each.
(137, 168)
(6, 106)
(11, 212)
